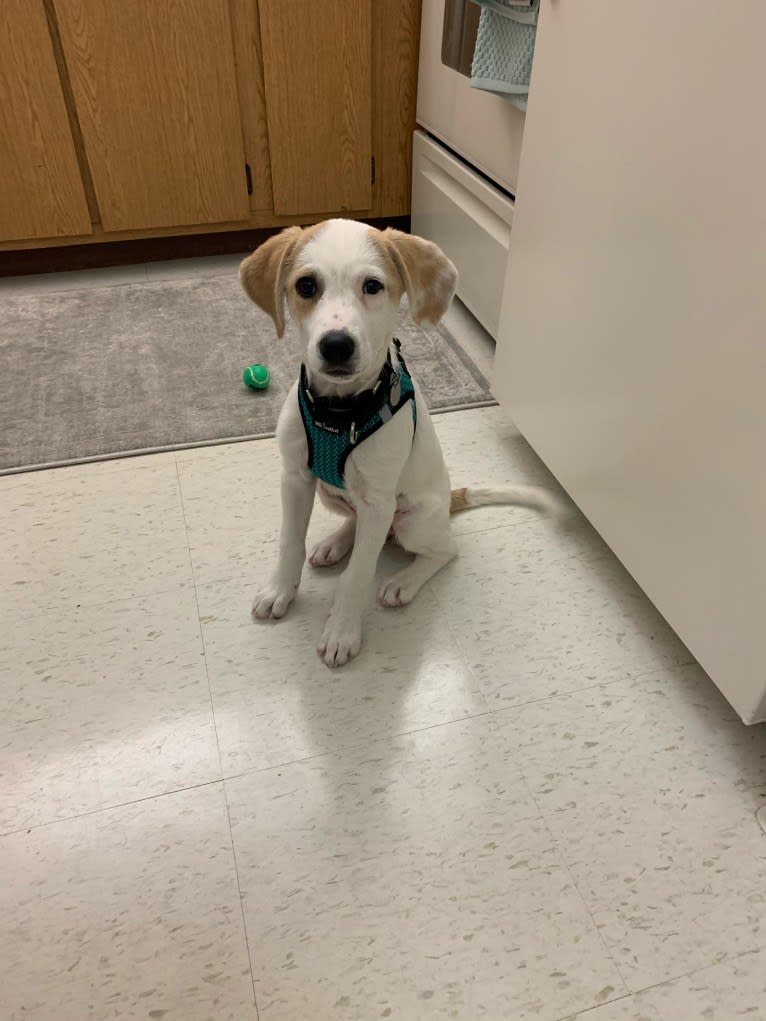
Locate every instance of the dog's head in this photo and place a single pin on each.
(344, 282)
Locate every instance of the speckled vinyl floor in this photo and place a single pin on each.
(523, 801)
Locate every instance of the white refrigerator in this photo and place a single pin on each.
(632, 341)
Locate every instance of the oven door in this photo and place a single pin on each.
(485, 129)
(469, 220)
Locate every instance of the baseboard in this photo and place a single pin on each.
(120, 253)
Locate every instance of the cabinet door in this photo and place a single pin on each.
(632, 345)
(156, 96)
(317, 62)
(41, 191)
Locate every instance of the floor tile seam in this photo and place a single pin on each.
(498, 710)
(241, 897)
(543, 819)
(662, 982)
(507, 710)
(631, 991)
(569, 1016)
(181, 546)
(232, 843)
(575, 885)
(503, 709)
(483, 530)
(323, 588)
(359, 747)
(156, 795)
(107, 465)
(518, 762)
(555, 696)
(200, 630)
(173, 547)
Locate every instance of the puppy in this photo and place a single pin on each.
(355, 427)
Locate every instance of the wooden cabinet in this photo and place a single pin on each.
(154, 117)
(156, 97)
(320, 114)
(41, 190)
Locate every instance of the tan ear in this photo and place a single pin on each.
(427, 274)
(263, 273)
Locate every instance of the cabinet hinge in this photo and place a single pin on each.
(249, 179)
(372, 169)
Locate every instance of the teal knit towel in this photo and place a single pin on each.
(505, 46)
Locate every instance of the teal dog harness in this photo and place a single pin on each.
(337, 425)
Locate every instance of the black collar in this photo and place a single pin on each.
(343, 412)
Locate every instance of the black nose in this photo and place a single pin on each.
(336, 347)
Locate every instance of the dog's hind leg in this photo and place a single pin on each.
(426, 533)
(334, 547)
(403, 586)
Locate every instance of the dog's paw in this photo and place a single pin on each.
(398, 590)
(331, 550)
(326, 553)
(339, 643)
(272, 602)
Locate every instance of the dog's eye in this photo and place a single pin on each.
(306, 287)
(372, 287)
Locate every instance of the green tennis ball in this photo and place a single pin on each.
(256, 377)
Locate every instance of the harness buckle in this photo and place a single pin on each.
(352, 433)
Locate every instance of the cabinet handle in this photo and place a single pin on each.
(249, 179)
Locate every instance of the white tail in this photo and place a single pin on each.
(524, 496)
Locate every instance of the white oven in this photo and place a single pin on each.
(465, 159)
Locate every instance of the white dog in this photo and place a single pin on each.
(355, 427)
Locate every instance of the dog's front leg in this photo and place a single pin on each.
(342, 635)
(297, 503)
